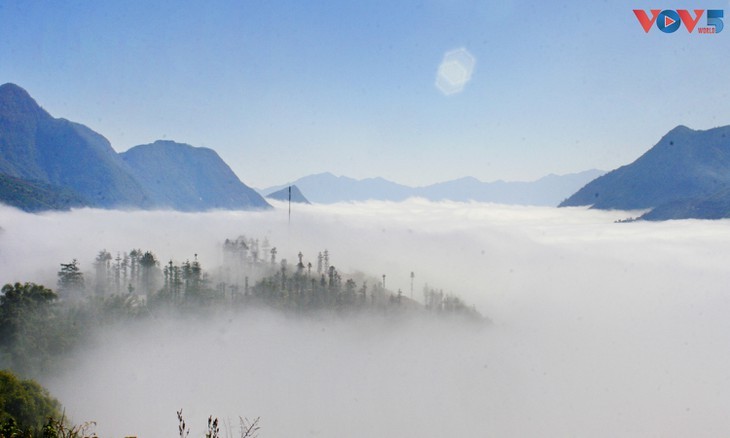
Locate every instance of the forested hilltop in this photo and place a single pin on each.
(40, 326)
(41, 329)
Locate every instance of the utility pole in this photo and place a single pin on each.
(412, 277)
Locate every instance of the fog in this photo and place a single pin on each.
(598, 328)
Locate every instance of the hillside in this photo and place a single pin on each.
(36, 146)
(686, 174)
(34, 196)
(187, 178)
(48, 164)
(715, 206)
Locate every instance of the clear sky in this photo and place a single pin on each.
(283, 89)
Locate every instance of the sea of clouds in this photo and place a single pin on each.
(598, 328)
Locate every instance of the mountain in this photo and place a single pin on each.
(326, 188)
(49, 163)
(715, 206)
(34, 196)
(187, 178)
(285, 193)
(547, 191)
(686, 174)
(35, 146)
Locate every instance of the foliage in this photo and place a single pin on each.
(25, 406)
(182, 429)
(70, 279)
(27, 312)
(248, 428)
(213, 430)
(33, 196)
(39, 330)
(59, 429)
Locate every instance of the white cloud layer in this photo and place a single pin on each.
(600, 329)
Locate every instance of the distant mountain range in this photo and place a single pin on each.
(550, 190)
(685, 175)
(49, 163)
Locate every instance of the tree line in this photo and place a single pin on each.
(37, 324)
(40, 328)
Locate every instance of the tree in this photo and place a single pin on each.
(24, 405)
(300, 265)
(134, 256)
(70, 280)
(273, 256)
(103, 269)
(413, 275)
(148, 263)
(265, 250)
(27, 326)
(16, 304)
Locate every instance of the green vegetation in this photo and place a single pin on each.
(25, 407)
(36, 196)
(40, 329)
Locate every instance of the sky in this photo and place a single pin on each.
(290, 88)
(599, 329)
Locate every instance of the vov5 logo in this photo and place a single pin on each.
(669, 20)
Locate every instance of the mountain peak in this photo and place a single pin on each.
(15, 102)
(173, 147)
(169, 142)
(680, 129)
(189, 178)
(685, 165)
(289, 192)
(12, 90)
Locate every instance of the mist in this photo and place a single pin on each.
(598, 328)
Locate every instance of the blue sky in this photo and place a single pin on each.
(289, 88)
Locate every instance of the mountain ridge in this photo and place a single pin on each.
(188, 178)
(33, 145)
(549, 190)
(672, 178)
(54, 162)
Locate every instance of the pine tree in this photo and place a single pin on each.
(70, 280)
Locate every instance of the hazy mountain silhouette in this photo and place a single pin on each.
(327, 188)
(283, 195)
(49, 163)
(187, 178)
(546, 191)
(35, 146)
(685, 175)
